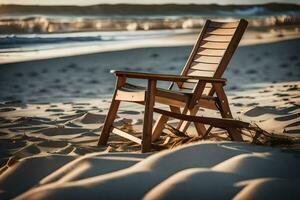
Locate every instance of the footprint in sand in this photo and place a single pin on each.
(292, 131)
(62, 131)
(72, 66)
(19, 74)
(43, 90)
(4, 120)
(283, 65)
(13, 102)
(54, 110)
(171, 68)
(237, 104)
(293, 58)
(57, 80)
(7, 109)
(236, 71)
(243, 97)
(154, 55)
(93, 81)
(252, 104)
(251, 71)
(44, 71)
(63, 70)
(261, 110)
(82, 104)
(92, 70)
(293, 88)
(149, 69)
(53, 144)
(91, 118)
(288, 117)
(72, 125)
(265, 91)
(33, 74)
(257, 59)
(281, 94)
(129, 112)
(31, 85)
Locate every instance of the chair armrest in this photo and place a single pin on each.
(166, 77)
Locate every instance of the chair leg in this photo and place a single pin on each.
(148, 116)
(159, 126)
(183, 125)
(226, 112)
(160, 123)
(201, 130)
(111, 115)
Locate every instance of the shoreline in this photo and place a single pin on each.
(176, 38)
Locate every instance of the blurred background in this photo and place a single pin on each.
(67, 47)
(39, 25)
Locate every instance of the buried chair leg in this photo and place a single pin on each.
(160, 123)
(159, 126)
(225, 111)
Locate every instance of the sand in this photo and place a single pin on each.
(52, 112)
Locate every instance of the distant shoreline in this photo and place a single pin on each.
(172, 40)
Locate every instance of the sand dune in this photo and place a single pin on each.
(198, 170)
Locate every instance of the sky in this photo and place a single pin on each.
(92, 2)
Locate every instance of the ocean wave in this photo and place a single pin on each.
(251, 11)
(12, 39)
(43, 24)
(31, 39)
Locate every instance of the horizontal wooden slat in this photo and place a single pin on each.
(223, 24)
(216, 122)
(188, 85)
(126, 135)
(201, 73)
(214, 45)
(186, 91)
(216, 38)
(207, 59)
(191, 85)
(204, 66)
(162, 77)
(210, 52)
(220, 31)
(192, 81)
(125, 94)
(172, 102)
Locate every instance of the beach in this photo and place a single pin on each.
(53, 110)
(56, 88)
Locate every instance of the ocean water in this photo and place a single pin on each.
(27, 29)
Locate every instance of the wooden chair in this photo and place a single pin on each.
(199, 85)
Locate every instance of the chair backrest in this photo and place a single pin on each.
(212, 52)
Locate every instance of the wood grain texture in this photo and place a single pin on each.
(148, 116)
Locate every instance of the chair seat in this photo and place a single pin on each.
(136, 93)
